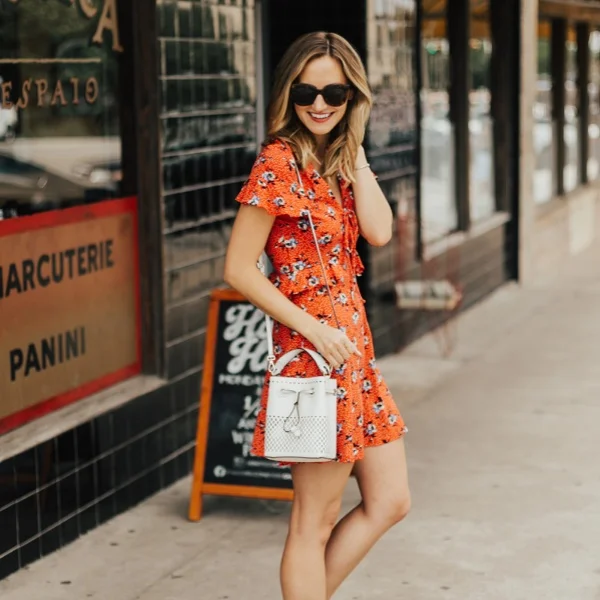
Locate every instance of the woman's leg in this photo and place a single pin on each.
(318, 490)
(383, 481)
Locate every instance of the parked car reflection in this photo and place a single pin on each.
(27, 188)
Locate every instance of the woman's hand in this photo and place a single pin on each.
(332, 344)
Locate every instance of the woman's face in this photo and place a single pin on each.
(320, 118)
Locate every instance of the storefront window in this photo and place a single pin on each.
(571, 130)
(59, 118)
(438, 207)
(481, 131)
(593, 166)
(68, 240)
(543, 128)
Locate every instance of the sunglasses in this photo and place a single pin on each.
(334, 94)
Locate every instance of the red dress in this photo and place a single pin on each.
(367, 414)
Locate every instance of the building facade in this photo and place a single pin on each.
(126, 130)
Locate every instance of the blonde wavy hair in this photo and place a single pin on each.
(347, 137)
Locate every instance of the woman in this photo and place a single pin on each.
(317, 118)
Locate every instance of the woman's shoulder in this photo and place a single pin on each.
(278, 150)
(273, 183)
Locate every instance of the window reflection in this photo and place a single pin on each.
(571, 131)
(481, 131)
(438, 208)
(593, 166)
(543, 128)
(59, 112)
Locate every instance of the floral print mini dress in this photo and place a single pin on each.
(366, 412)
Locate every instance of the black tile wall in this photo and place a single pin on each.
(207, 75)
(54, 493)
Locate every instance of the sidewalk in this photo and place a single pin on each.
(503, 453)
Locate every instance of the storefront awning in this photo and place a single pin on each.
(434, 19)
(586, 11)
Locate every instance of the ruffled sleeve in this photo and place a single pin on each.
(273, 183)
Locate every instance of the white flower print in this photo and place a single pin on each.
(341, 370)
(254, 201)
(313, 281)
(393, 419)
(285, 269)
(354, 376)
(290, 243)
(326, 239)
(300, 265)
(361, 420)
(343, 299)
(341, 393)
(339, 428)
(330, 211)
(372, 364)
(356, 318)
(279, 201)
(311, 195)
(337, 249)
(269, 176)
(334, 260)
(371, 429)
(367, 385)
(378, 407)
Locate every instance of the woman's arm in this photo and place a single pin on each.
(375, 217)
(250, 232)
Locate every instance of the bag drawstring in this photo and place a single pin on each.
(295, 429)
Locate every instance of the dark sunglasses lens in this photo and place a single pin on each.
(335, 95)
(303, 95)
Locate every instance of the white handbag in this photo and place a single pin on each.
(301, 419)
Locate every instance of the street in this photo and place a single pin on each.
(503, 456)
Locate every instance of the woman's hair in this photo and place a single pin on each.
(347, 137)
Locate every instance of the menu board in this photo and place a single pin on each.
(234, 370)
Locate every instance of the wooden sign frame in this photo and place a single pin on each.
(199, 487)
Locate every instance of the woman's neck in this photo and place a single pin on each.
(321, 147)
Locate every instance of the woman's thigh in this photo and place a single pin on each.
(318, 490)
(382, 477)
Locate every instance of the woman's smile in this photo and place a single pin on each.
(320, 117)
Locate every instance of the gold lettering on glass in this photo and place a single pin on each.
(109, 21)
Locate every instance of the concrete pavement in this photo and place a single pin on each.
(503, 450)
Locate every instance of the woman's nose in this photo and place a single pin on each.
(319, 104)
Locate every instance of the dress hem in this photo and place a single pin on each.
(397, 437)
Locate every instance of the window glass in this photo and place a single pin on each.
(59, 117)
(481, 131)
(543, 128)
(593, 166)
(438, 206)
(571, 131)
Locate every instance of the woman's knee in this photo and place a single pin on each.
(314, 521)
(390, 509)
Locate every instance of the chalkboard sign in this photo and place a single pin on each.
(235, 361)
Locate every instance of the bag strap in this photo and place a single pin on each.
(261, 266)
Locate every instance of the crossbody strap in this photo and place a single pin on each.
(269, 320)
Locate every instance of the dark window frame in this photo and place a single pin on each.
(141, 164)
